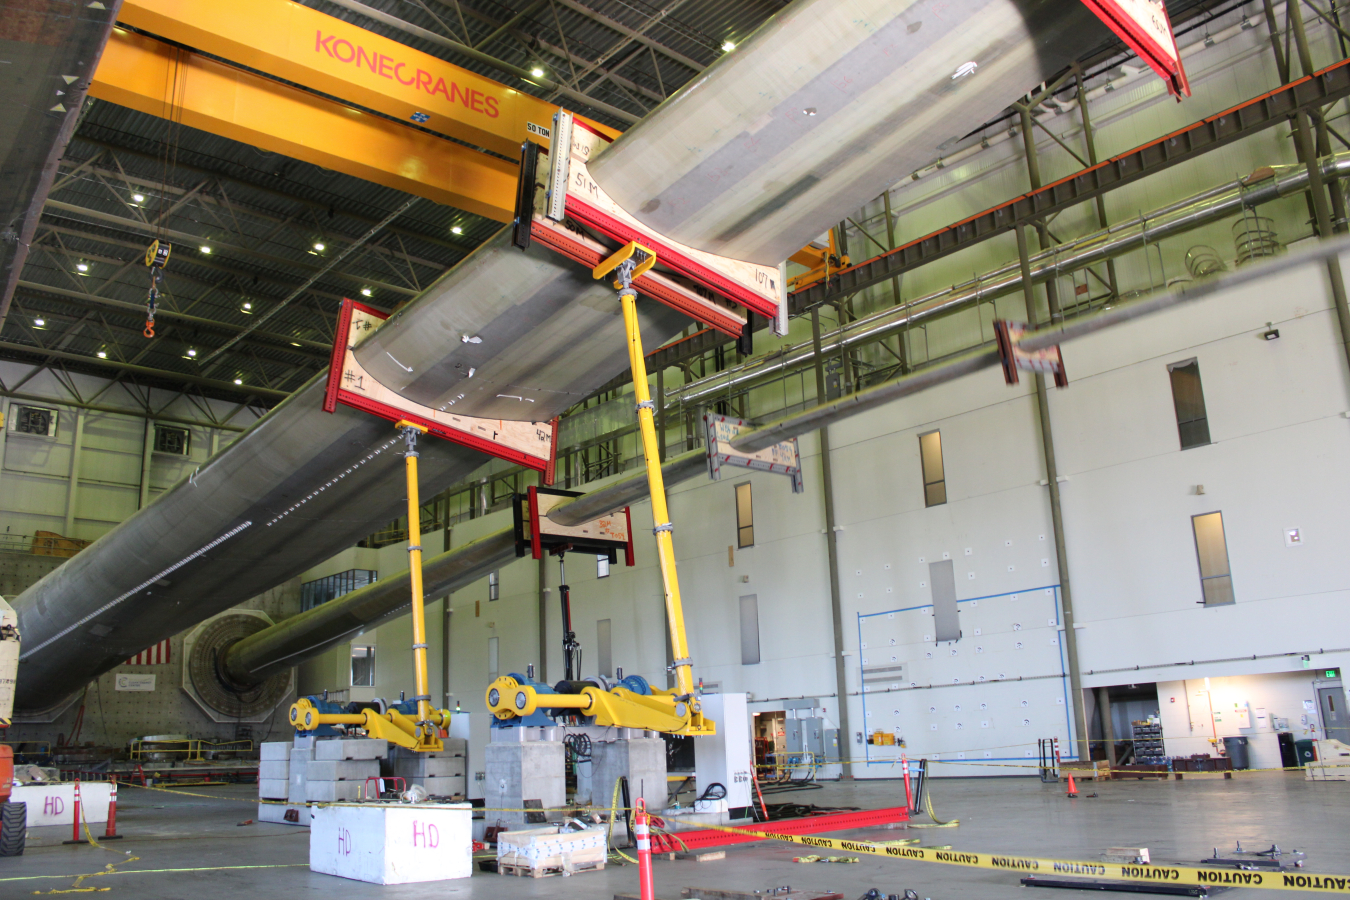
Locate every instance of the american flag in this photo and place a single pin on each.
(155, 656)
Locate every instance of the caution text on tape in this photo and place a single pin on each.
(1026, 865)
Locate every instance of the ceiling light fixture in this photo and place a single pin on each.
(83, 267)
(365, 292)
(319, 245)
(139, 198)
(537, 72)
(205, 248)
(192, 353)
(728, 46)
(39, 322)
(294, 344)
(247, 306)
(102, 354)
(238, 381)
(455, 229)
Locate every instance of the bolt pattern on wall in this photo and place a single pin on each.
(985, 697)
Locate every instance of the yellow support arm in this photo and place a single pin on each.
(661, 711)
(629, 263)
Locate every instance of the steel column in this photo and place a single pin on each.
(1108, 726)
(4, 429)
(832, 557)
(895, 280)
(72, 495)
(147, 454)
(1100, 200)
(1294, 21)
(1042, 235)
(1319, 200)
(1056, 515)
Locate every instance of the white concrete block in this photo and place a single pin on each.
(441, 785)
(53, 803)
(342, 770)
(273, 750)
(274, 769)
(353, 748)
(392, 844)
(296, 792)
(516, 771)
(333, 791)
(301, 754)
(274, 788)
(419, 768)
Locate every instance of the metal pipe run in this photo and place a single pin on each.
(1058, 333)
(1262, 186)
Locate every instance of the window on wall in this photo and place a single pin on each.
(750, 629)
(174, 441)
(321, 590)
(934, 476)
(363, 666)
(494, 585)
(604, 648)
(745, 517)
(602, 565)
(1189, 400)
(1211, 549)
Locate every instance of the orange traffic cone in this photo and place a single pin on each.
(1073, 788)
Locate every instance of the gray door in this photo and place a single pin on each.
(1335, 723)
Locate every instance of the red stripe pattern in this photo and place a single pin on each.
(157, 655)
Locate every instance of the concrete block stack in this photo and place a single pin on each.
(274, 770)
(340, 767)
(441, 774)
(516, 771)
(299, 766)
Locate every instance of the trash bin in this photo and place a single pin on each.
(1305, 752)
(1236, 748)
(1288, 753)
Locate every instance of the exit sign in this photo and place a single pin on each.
(1333, 673)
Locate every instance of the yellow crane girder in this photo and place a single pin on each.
(146, 75)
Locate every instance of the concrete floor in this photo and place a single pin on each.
(1177, 821)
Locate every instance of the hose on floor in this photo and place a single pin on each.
(936, 823)
(613, 811)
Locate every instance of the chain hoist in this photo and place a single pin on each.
(156, 258)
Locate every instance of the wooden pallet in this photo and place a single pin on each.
(547, 871)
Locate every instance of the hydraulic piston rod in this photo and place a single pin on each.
(627, 264)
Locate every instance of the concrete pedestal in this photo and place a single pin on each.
(516, 771)
(388, 844)
(641, 760)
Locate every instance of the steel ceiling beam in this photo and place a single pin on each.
(166, 374)
(139, 72)
(205, 198)
(460, 246)
(633, 34)
(316, 349)
(120, 411)
(216, 244)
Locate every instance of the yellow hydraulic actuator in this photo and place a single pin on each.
(675, 711)
(423, 732)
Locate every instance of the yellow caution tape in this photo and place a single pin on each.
(1032, 865)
